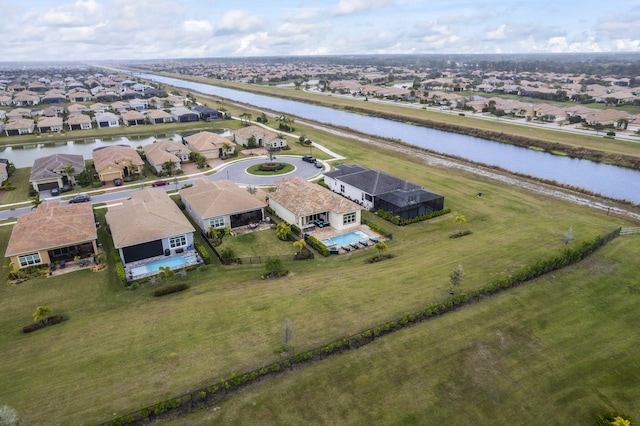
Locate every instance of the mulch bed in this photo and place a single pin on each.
(44, 323)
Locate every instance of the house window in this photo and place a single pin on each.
(29, 259)
(368, 197)
(217, 222)
(179, 241)
(341, 188)
(349, 218)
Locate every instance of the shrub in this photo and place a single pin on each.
(204, 253)
(317, 245)
(202, 394)
(170, 288)
(275, 367)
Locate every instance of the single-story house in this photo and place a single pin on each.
(139, 104)
(148, 225)
(77, 109)
(302, 203)
(222, 204)
(79, 122)
(53, 232)
(184, 115)
(120, 106)
(210, 144)
(116, 162)
(99, 108)
(161, 152)
(375, 189)
(206, 113)
(50, 172)
(261, 138)
(22, 126)
(49, 124)
(158, 116)
(53, 98)
(106, 120)
(132, 118)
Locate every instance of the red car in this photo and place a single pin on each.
(160, 183)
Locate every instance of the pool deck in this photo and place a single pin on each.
(129, 267)
(329, 232)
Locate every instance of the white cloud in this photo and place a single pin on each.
(235, 21)
(348, 7)
(201, 27)
(498, 34)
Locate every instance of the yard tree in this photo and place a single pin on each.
(381, 248)
(287, 334)
(456, 278)
(169, 167)
(282, 231)
(460, 220)
(299, 245)
(567, 238)
(41, 312)
(274, 266)
(69, 170)
(14, 272)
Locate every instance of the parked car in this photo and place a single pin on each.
(160, 183)
(308, 159)
(80, 198)
(55, 192)
(117, 182)
(318, 164)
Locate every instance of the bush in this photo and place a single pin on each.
(317, 245)
(460, 234)
(170, 288)
(204, 253)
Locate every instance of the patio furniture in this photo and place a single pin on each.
(333, 250)
(63, 264)
(364, 243)
(354, 245)
(346, 248)
(374, 239)
(52, 266)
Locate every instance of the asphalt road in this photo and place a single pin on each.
(235, 171)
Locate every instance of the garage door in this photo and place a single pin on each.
(45, 186)
(142, 251)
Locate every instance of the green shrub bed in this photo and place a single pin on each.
(170, 288)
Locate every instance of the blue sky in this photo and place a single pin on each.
(146, 29)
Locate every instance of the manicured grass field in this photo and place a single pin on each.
(555, 351)
(123, 349)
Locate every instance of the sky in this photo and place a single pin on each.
(91, 30)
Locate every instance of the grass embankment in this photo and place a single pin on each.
(124, 349)
(556, 351)
(415, 113)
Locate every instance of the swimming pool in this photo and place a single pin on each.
(174, 262)
(344, 239)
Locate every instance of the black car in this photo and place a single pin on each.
(117, 182)
(308, 159)
(80, 198)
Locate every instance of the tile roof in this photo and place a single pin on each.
(304, 198)
(46, 167)
(115, 154)
(52, 225)
(148, 216)
(162, 151)
(204, 141)
(258, 132)
(211, 199)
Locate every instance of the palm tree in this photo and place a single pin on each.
(41, 313)
(13, 271)
(282, 230)
(69, 171)
(299, 245)
(169, 167)
(460, 220)
(165, 272)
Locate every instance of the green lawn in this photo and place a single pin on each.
(556, 351)
(259, 243)
(123, 349)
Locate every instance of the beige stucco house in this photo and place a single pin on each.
(116, 162)
(161, 152)
(53, 232)
(302, 203)
(209, 144)
(222, 204)
(261, 137)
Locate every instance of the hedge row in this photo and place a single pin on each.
(170, 288)
(204, 253)
(200, 397)
(379, 229)
(119, 267)
(317, 245)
